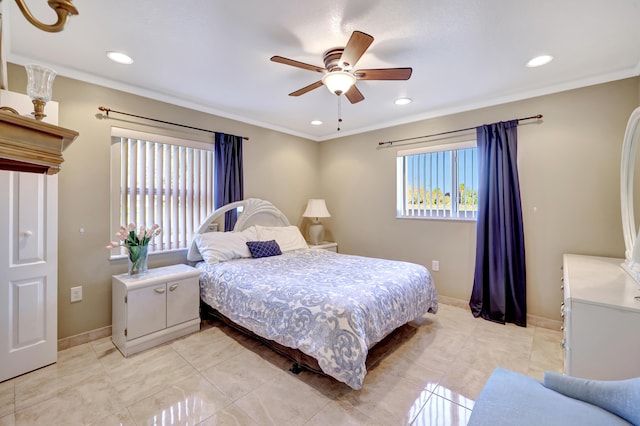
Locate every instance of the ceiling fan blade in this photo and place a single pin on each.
(384, 74)
(298, 64)
(307, 88)
(355, 48)
(354, 95)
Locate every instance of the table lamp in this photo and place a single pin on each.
(316, 209)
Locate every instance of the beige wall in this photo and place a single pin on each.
(278, 167)
(569, 166)
(569, 171)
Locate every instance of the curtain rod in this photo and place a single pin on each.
(536, 117)
(108, 110)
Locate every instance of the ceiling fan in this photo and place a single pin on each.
(339, 62)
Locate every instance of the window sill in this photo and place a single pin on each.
(151, 254)
(440, 218)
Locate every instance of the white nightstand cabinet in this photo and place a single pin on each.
(154, 308)
(326, 245)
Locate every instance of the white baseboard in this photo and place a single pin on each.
(86, 337)
(90, 336)
(532, 320)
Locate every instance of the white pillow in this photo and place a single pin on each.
(287, 237)
(217, 247)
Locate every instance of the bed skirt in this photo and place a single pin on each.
(302, 361)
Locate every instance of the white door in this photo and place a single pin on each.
(28, 261)
(28, 272)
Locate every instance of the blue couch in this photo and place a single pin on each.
(510, 398)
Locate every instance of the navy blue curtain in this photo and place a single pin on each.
(229, 181)
(499, 285)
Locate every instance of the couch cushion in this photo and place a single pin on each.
(621, 397)
(510, 398)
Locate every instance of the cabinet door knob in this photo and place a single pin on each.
(173, 287)
(26, 233)
(159, 290)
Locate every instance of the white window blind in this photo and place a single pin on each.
(438, 182)
(161, 180)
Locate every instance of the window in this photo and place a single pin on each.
(438, 182)
(163, 180)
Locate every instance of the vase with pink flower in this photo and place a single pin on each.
(136, 240)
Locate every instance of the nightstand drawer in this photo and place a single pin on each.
(326, 245)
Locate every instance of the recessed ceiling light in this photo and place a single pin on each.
(316, 122)
(119, 57)
(402, 101)
(539, 61)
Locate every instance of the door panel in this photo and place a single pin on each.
(28, 272)
(28, 218)
(182, 301)
(146, 311)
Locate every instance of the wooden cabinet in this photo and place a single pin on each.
(601, 313)
(156, 307)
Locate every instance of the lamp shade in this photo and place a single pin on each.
(316, 208)
(338, 82)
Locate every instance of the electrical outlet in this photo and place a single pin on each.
(76, 294)
(435, 265)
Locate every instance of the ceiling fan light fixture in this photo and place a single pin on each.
(338, 82)
(119, 57)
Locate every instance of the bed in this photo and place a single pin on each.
(323, 309)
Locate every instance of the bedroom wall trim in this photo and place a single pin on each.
(532, 320)
(82, 338)
(101, 333)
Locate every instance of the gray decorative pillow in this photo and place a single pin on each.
(620, 397)
(264, 248)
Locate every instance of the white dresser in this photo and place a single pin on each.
(601, 319)
(153, 308)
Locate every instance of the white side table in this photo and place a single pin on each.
(154, 308)
(325, 245)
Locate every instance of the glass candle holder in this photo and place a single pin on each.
(39, 87)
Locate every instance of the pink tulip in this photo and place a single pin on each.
(143, 236)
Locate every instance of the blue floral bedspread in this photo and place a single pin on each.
(333, 307)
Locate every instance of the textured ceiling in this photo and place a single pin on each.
(213, 56)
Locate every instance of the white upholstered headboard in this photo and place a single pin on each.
(252, 211)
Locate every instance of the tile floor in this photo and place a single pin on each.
(218, 377)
